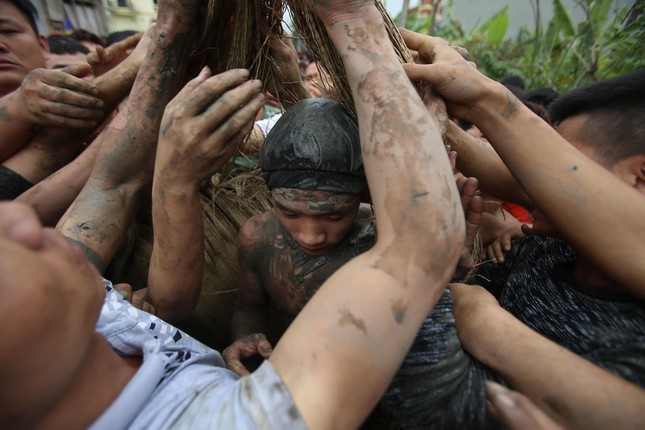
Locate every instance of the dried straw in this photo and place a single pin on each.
(233, 34)
(313, 33)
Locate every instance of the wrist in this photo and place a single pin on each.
(496, 104)
(175, 188)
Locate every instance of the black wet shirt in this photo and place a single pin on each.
(538, 288)
(12, 184)
(441, 386)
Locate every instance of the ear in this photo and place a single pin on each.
(631, 170)
(44, 44)
(639, 172)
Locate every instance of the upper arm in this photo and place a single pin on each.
(252, 301)
(251, 293)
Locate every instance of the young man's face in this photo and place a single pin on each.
(21, 49)
(50, 299)
(317, 85)
(316, 220)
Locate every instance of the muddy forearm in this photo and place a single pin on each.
(51, 197)
(579, 196)
(123, 169)
(402, 147)
(177, 262)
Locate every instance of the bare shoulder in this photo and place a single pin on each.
(365, 214)
(257, 231)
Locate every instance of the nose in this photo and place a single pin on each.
(310, 234)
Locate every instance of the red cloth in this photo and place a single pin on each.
(521, 214)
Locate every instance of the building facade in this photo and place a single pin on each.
(98, 16)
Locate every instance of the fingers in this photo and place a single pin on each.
(237, 367)
(198, 101)
(473, 221)
(432, 49)
(126, 44)
(232, 356)
(424, 45)
(264, 347)
(139, 302)
(96, 57)
(19, 222)
(244, 348)
(419, 72)
(230, 104)
(70, 77)
(467, 189)
(191, 85)
(527, 230)
(495, 253)
(516, 411)
(505, 241)
(452, 156)
(126, 291)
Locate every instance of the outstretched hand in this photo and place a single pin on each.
(60, 98)
(204, 125)
(104, 59)
(246, 347)
(447, 71)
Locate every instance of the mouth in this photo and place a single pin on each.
(6, 64)
(314, 251)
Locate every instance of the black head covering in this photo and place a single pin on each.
(314, 146)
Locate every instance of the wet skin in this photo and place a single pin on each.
(276, 269)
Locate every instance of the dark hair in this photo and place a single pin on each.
(539, 110)
(515, 81)
(542, 96)
(27, 8)
(118, 36)
(66, 45)
(616, 109)
(86, 36)
(514, 84)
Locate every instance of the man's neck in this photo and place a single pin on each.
(95, 386)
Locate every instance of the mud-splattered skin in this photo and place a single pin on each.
(277, 271)
(124, 167)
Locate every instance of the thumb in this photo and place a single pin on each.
(78, 70)
(427, 73)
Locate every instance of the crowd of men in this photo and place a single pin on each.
(363, 291)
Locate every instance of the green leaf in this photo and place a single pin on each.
(495, 28)
(600, 12)
(562, 20)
